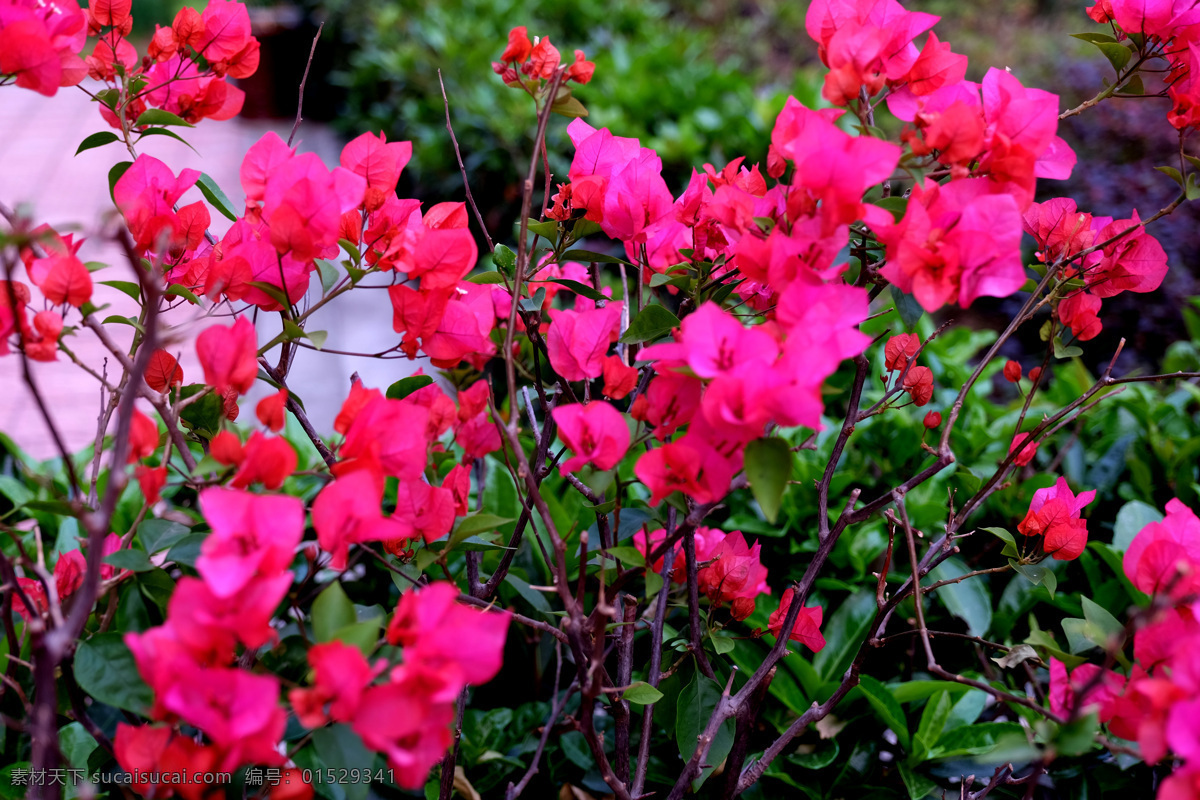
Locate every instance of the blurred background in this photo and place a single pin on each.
(702, 81)
(699, 81)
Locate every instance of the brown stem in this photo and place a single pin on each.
(303, 80)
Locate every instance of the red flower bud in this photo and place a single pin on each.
(1012, 371)
(933, 419)
(1035, 374)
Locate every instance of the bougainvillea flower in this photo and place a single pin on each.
(237, 710)
(686, 465)
(578, 340)
(1079, 311)
(596, 433)
(954, 243)
(619, 379)
(210, 626)
(340, 676)
(1166, 554)
(807, 630)
(391, 433)
(1065, 688)
(347, 512)
(358, 399)
(41, 343)
(68, 573)
(670, 400)
(426, 511)
(899, 350)
(268, 460)
(40, 44)
(149, 751)
(146, 194)
(735, 576)
(163, 371)
(378, 161)
(143, 436)
(712, 342)
(410, 730)
(519, 47)
(62, 278)
(918, 383)
(270, 410)
(252, 535)
(151, 480)
(229, 356)
(1134, 263)
(1054, 514)
(432, 625)
(1025, 448)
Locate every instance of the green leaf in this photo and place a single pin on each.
(933, 722)
(844, 633)
(968, 600)
(156, 116)
(329, 274)
(1010, 544)
(115, 173)
(406, 386)
(97, 140)
(1063, 351)
(1172, 173)
(117, 319)
(182, 291)
(169, 133)
(133, 560)
(918, 786)
(652, 323)
(578, 288)
(907, 307)
(473, 524)
(331, 611)
(351, 250)
(128, 287)
(1193, 189)
(340, 748)
(642, 694)
(157, 587)
(824, 755)
(896, 205)
(1037, 575)
(205, 414)
(363, 635)
(768, 464)
(570, 107)
(505, 259)
(588, 255)
(217, 198)
(1097, 628)
(76, 745)
(695, 705)
(187, 549)
(974, 740)
(886, 708)
(1094, 38)
(487, 278)
(161, 534)
(106, 670)
(1117, 54)
(547, 230)
(630, 555)
(1077, 736)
